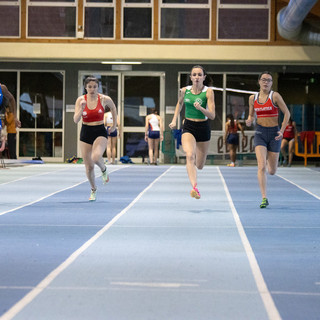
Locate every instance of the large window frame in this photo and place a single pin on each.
(98, 4)
(136, 5)
(52, 4)
(187, 6)
(232, 6)
(12, 3)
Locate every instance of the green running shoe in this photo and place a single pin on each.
(93, 195)
(264, 203)
(105, 176)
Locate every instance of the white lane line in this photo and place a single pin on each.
(31, 176)
(303, 189)
(153, 284)
(261, 285)
(47, 280)
(49, 195)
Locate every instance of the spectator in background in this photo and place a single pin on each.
(8, 100)
(153, 135)
(290, 133)
(112, 138)
(231, 137)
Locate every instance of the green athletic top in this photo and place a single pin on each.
(190, 99)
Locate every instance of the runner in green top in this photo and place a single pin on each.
(196, 133)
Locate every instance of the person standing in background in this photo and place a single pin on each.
(112, 138)
(8, 100)
(231, 137)
(198, 99)
(267, 139)
(153, 135)
(289, 135)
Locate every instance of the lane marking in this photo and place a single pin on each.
(268, 302)
(303, 189)
(13, 311)
(153, 284)
(51, 194)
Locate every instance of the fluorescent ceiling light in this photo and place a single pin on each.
(121, 62)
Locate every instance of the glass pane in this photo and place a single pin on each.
(46, 89)
(138, 1)
(186, 1)
(51, 22)
(134, 145)
(26, 144)
(238, 87)
(243, 1)
(99, 1)
(52, 1)
(9, 17)
(108, 85)
(44, 144)
(185, 23)
(217, 81)
(9, 0)
(139, 92)
(243, 24)
(137, 23)
(99, 22)
(57, 151)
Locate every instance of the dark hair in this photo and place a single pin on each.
(207, 81)
(264, 72)
(89, 79)
(231, 117)
(154, 110)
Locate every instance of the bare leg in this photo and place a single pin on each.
(150, 146)
(156, 150)
(189, 147)
(109, 150)
(284, 144)
(98, 147)
(261, 154)
(291, 151)
(113, 148)
(86, 150)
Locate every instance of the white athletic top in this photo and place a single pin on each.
(154, 123)
(109, 118)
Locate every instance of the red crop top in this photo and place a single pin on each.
(267, 109)
(233, 129)
(93, 115)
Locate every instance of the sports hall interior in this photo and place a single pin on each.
(142, 52)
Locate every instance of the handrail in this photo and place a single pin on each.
(314, 147)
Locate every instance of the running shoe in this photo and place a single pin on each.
(105, 176)
(264, 203)
(231, 164)
(195, 192)
(93, 195)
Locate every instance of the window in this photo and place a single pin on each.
(10, 18)
(243, 20)
(99, 19)
(51, 18)
(137, 19)
(187, 20)
(41, 114)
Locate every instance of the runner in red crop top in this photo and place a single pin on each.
(267, 139)
(288, 143)
(93, 135)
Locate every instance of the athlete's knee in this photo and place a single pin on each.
(272, 171)
(190, 157)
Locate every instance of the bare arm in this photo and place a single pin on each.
(79, 107)
(161, 128)
(250, 119)
(146, 128)
(283, 107)
(107, 101)
(179, 105)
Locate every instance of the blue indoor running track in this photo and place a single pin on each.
(146, 250)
